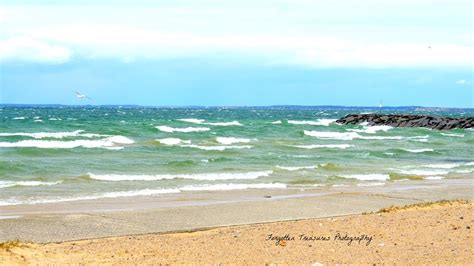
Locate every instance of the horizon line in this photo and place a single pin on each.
(230, 106)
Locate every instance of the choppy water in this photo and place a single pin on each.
(53, 154)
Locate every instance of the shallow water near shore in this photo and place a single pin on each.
(60, 154)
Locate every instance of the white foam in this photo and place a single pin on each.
(434, 177)
(347, 136)
(19, 118)
(367, 177)
(332, 135)
(296, 168)
(372, 129)
(469, 164)
(231, 140)
(184, 130)
(322, 146)
(226, 187)
(419, 137)
(320, 122)
(192, 120)
(216, 148)
(133, 193)
(107, 143)
(442, 166)
(5, 184)
(173, 141)
(55, 135)
(276, 122)
(202, 121)
(208, 176)
(370, 184)
(381, 137)
(453, 135)
(418, 150)
(464, 171)
(424, 172)
(147, 192)
(225, 124)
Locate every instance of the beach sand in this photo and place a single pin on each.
(422, 234)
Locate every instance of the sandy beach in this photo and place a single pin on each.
(319, 225)
(417, 234)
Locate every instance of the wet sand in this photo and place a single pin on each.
(437, 233)
(232, 227)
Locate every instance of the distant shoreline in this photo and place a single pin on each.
(316, 107)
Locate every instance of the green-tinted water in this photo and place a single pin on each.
(71, 153)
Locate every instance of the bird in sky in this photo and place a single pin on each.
(82, 96)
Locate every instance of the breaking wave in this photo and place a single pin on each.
(320, 122)
(209, 176)
(183, 130)
(114, 142)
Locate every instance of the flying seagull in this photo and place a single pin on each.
(81, 96)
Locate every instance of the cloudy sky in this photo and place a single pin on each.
(258, 52)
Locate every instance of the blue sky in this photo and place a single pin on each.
(238, 52)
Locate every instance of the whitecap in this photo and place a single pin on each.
(464, 171)
(453, 135)
(56, 135)
(296, 168)
(205, 176)
(184, 130)
(434, 177)
(442, 166)
(231, 140)
(320, 122)
(192, 120)
(380, 137)
(372, 129)
(173, 141)
(216, 148)
(276, 122)
(328, 146)
(367, 177)
(224, 124)
(347, 136)
(424, 172)
(107, 143)
(332, 135)
(418, 150)
(5, 184)
(19, 118)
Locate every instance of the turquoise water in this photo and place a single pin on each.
(53, 154)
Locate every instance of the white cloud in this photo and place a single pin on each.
(129, 43)
(461, 82)
(307, 33)
(28, 49)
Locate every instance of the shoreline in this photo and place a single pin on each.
(438, 232)
(193, 211)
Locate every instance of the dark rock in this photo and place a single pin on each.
(440, 123)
